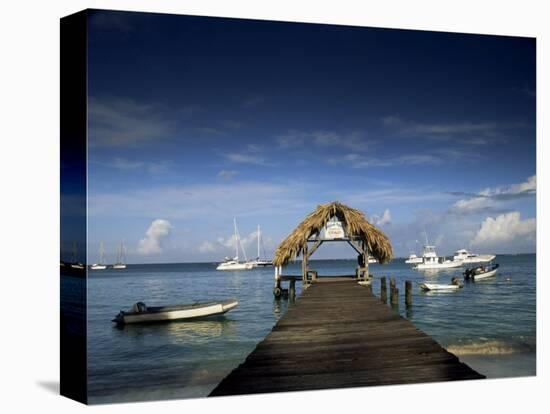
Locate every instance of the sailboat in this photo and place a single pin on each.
(261, 262)
(99, 265)
(120, 259)
(233, 263)
(75, 264)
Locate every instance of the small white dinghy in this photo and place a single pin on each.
(454, 285)
(140, 313)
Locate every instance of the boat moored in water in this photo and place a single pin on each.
(454, 285)
(234, 263)
(481, 272)
(141, 313)
(466, 257)
(413, 259)
(430, 261)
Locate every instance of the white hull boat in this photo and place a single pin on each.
(480, 273)
(468, 258)
(235, 265)
(260, 262)
(413, 259)
(140, 313)
(99, 265)
(120, 257)
(447, 264)
(431, 261)
(439, 287)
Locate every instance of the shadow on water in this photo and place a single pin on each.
(194, 331)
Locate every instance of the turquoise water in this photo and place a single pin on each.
(491, 324)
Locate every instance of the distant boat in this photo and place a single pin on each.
(372, 260)
(141, 313)
(99, 265)
(467, 257)
(480, 272)
(430, 260)
(413, 259)
(75, 264)
(234, 263)
(121, 257)
(441, 287)
(258, 262)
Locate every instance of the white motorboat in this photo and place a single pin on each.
(259, 262)
(413, 259)
(99, 265)
(372, 260)
(480, 272)
(120, 261)
(440, 287)
(140, 313)
(430, 261)
(234, 263)
(466, 257)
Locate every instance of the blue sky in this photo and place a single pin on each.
(193, 121)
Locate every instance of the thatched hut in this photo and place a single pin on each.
(318, 227)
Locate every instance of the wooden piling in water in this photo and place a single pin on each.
(392, 285)
(292, 289)
(408, 293)
(383, 291)
(394, 296)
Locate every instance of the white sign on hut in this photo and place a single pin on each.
(333, 230)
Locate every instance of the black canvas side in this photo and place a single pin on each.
(73, 263)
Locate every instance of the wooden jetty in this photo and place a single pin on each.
(336, 335)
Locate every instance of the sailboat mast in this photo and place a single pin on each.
(258, 242)
(236, 239)
(101, 252)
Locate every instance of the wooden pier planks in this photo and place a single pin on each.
(339, 335)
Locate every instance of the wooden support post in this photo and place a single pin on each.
(383, 291)
(292, 289)
(277, 291)
(408, 293)
(394, 299)
(392, 285)
(304, 265)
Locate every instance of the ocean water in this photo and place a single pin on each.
(491, 325)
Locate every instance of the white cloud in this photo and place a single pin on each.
(472, 205)
(439, 130)
(322, 138)
(227, 174)
(157, 232)
(490, 197)
(124, 164)
(124, 122)
(382, 220)
(207, 247)
(226, 200)
(245, 158)
(527, 187)
(505, 228)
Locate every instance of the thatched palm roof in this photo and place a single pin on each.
(355, 225)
